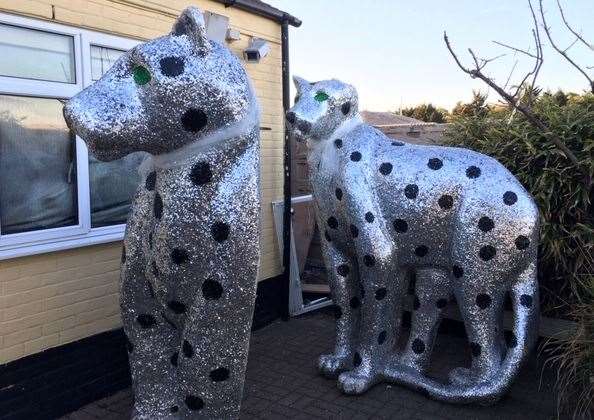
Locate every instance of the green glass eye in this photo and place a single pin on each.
(141, 75)
(321, 96)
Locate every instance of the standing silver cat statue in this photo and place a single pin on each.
(458, 219)
(191, 249)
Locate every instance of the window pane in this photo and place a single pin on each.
(102, 59)
(32, 54)
(113, 184)
(37, 166)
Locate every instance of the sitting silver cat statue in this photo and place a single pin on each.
(458, 219)
(191, 249)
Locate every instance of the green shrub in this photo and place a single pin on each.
(426, 113)
(573, 358)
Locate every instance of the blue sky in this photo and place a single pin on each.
(393, 52)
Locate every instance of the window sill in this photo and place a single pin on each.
(94, 237)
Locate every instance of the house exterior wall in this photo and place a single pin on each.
(55, 298)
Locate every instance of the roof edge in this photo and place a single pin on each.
(264, 10)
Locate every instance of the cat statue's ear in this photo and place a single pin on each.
(301, 84)
(191, 24)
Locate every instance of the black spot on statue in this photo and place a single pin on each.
(421, 251)
(146, 320)
(179, 256)
(485, 224)
(457, 271)
(150, 181)
(510, 339)
(369, 260)
(357, 359)
(172, 66)
(327, 236)
(174, 358)
(194, 120)
(418, 346)
(473, 172)
(220, 231)
(441, 303)
(201, 173)
(411, 191)
(219, 374)
(510, 198)
(337, 312)
(346, 108)
(187, 349)
(445, 202)
(194, 403)
(487, 252)
(435, 164)
(369, 217)
(174, 409)
(522, 242)
(355, 302)
(332, 222)
(397, 143)
(483, 301)
(475, 349)
(158, 206)
(381, 293)
(385, 168)
(416, 303)
(338, 193)
(212, 290)
(343, 270)
(356, 156)
(526, 301)
(381, 338)
(354, 231)
(338, 143)
(177, 307)
(400, 225)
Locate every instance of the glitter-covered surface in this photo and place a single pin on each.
(191, 250)
(458, 219)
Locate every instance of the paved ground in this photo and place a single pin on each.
(282, 383)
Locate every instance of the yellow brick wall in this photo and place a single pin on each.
(51, 299)
(55, 298)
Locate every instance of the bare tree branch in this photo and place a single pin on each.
(510, 74)
(515, 49)
(538, 44)
(562, 52)
(512, 100)
(578, 36)
(571, 45)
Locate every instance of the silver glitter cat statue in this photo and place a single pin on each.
(191, 249)
(457, 218)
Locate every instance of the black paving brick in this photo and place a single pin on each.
(282, 383)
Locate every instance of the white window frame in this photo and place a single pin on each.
(82, 234)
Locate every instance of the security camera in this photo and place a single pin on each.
(257, 50)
